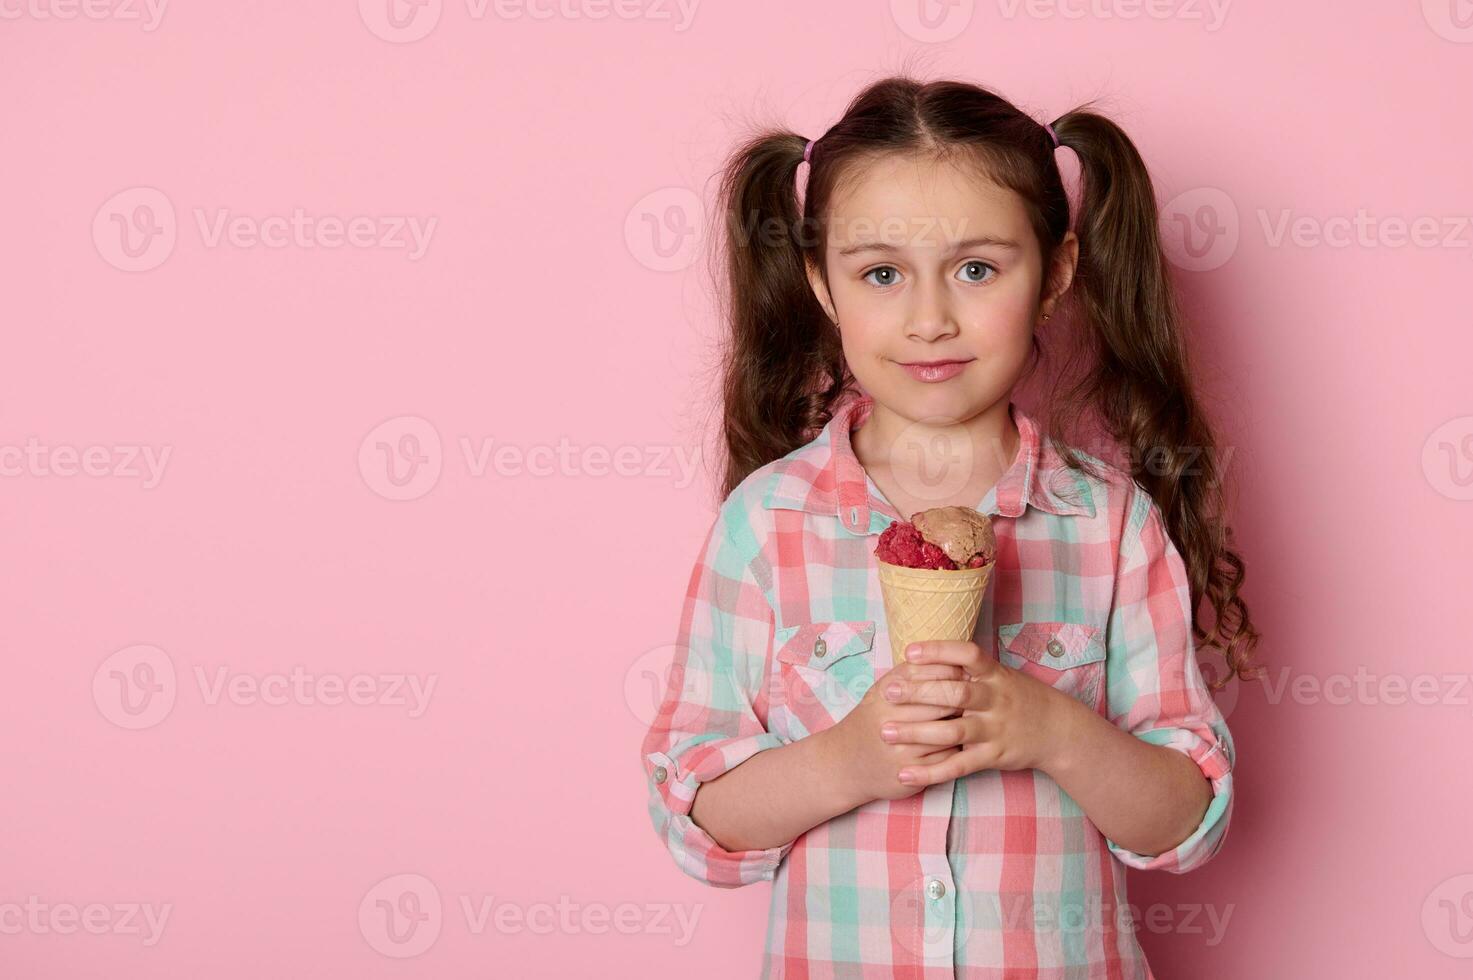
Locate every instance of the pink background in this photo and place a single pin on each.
(544, 309)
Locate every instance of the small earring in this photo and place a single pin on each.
(1045, 316)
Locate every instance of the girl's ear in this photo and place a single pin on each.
(821, 290)
(1061, 272)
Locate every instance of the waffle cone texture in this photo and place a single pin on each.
(931, 603)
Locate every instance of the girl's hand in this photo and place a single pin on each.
(870, 764)
(1008, 719)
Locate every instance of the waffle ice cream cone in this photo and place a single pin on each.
(931, 603)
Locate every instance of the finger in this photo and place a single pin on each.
(949, 731)
(931, 758)
(925, 672)
(954, 766)
(922, 712)
(946, 694)
(962, 653)
(895, 682)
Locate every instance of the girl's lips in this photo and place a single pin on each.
(936, 371)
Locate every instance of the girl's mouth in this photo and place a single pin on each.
(934, 371)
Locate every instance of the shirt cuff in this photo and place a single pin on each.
(674, 790)
(1214, 759)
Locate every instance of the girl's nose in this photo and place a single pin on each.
(931, 318)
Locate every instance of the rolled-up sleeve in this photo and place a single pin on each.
(1156, 690)
(710, 715)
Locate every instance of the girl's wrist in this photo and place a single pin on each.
(1068, 725)
(833, 767)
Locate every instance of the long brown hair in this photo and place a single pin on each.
(783, 368)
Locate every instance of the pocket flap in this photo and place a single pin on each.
(1055, 645)
(824, 644)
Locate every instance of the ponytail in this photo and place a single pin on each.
(783, 368)
(1140, 381)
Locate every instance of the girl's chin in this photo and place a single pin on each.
(931, 406)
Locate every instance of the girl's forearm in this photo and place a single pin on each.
(1146, 798)
(776, 795)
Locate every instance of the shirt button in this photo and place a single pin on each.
(1055, 648)
(820, 647)
(660, 774)
(936, 889)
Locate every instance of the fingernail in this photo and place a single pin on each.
(906, 777)
(888, 732)
(913, 651)
(892, 692)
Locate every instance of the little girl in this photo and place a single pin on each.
(972, 811)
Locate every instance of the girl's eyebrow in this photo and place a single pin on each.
(985, 241)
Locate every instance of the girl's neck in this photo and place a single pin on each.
(922, 464)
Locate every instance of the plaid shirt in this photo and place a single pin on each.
(997, 874)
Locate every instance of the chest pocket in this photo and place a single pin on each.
(1069, 657)
(824, 669)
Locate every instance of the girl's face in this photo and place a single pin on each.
(929, 263)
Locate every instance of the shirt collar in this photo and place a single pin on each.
(825, 477)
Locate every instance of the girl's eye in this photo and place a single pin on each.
(888, 274)
(971, 269)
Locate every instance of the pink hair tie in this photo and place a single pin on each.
(1051, 134)
(807, 150)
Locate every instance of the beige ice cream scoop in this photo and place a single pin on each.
(961, 532)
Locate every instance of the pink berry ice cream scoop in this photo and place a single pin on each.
(942, 537)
